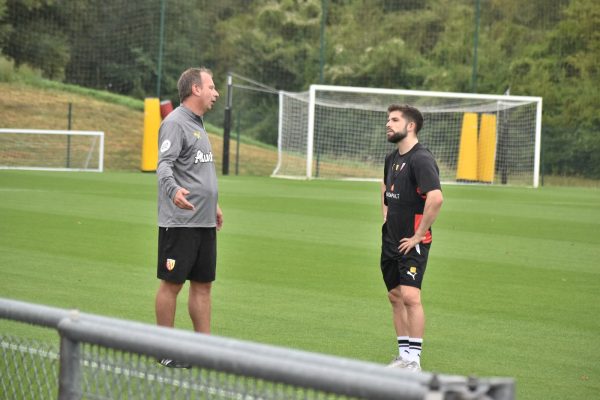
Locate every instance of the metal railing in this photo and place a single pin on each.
(108, 358)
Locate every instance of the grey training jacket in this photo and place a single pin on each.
(185, 160)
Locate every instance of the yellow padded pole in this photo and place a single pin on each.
(486, 149)
(150, 141)
(466, 169)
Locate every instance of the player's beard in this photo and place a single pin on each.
(398, 136)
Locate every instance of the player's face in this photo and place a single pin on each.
(207, 93)
(396, 127)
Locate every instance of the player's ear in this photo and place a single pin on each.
(196, 89)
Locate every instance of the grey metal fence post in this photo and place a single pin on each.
(69, 379)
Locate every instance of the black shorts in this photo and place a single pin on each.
(187, 254)
(398, 269)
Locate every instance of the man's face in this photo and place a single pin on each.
(396, 127)
(207, 93)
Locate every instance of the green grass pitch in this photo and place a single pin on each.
(512, 286)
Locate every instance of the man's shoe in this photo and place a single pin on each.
(398, 362)
(413, 366)
(166, 362)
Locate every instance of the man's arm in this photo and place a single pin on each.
(433, 204)
(383, 206)
(170, 135)
(170, 145)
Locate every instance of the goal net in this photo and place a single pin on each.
(338, 132)
(52, 150)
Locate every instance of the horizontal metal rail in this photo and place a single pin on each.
(277, 364)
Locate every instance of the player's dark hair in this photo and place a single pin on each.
(189, 78)
(410, 113)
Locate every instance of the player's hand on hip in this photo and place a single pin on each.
(180, 200)
(407, 244)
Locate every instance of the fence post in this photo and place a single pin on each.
(69, 136)
(69, 379)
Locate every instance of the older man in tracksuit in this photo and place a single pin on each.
(188, 211)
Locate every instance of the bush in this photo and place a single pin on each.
(24, 73)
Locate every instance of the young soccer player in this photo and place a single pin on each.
(411, 200)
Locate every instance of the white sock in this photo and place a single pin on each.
(403, 346)
(415, 346)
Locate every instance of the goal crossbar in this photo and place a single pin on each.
(423, 93)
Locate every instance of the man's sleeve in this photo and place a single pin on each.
(170, 144)
(427, 173)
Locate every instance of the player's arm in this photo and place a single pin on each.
(170, 148)
(427, 177)
(433, 204)
(384, 207)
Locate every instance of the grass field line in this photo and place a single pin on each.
(22, 190)
(23, 349)
(151, 377)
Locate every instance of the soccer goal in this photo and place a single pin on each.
(338, 132)
(51, 150)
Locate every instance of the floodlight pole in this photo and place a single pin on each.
(160, 46)
(227, 125)
(475, 45)
(324, 7)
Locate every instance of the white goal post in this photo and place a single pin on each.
(51, 150)
(338, 132)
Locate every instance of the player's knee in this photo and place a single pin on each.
(170, 288)
(200, 288)
(411, 299)
(395, 297)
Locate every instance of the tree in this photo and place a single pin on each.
(578, 36)
(277, 43)
(35, 36)
(5, 27)
(381, 48)
(564, 71)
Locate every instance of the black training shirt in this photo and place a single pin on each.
(407, 179)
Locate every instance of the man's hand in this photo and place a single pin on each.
(180, 200)
(407, 244)
(219, 218)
